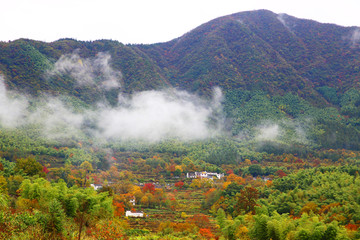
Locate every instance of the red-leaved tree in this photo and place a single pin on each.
(179, 185)
(149, 187)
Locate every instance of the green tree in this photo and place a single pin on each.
(86, 168)
(55, 223)
(259, 231)
(228, 227)
(29, 166)
(256, 170)
(92, 206)
(3, 185)
(14, 183)
(3, 201)
(278, 226)
(221, 218)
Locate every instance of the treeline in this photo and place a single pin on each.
(299, 123)
(320, 203)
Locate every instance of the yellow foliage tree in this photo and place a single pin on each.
(144, 200)
(3, 184)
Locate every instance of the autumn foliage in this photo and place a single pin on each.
(179, 185)
(119, 209)
(149, 187)
(206, 233)
(200, 220)
(107, 230)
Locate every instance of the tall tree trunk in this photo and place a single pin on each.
(81, 225)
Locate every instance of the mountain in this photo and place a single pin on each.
(26, 65)
(256, 50)
(261, 50)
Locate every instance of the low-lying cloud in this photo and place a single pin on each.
(88, 71)
(12, 108)
(269, 132)
(148, 116)
(56, 120)
(155, 115)
(355, 37)
(285, 131)
(282, 18)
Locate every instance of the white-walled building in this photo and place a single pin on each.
(134, 214)
(96, 186)
(204, 175)
(132, 201)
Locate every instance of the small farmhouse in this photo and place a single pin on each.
(134, 214)
(132, 201)
(96, 186)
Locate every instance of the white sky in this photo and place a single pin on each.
(147, 21)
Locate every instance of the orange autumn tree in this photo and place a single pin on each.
(206, 233)
(235, 178)
(119, 209)
(200, 220)
(108, 229)
(246, 200)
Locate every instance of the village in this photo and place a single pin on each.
(204, 175)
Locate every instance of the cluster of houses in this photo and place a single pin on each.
(132, 201)
(204, 174)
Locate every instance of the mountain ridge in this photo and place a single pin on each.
(253, 50)
(253, 34)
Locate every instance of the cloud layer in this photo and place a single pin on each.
(88, 71)
(355, 37)
(155, 115)
(12, 109)
(285, 131)
(148, 116)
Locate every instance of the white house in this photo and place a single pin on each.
(132, 201)
(96, 186)
(204, 175)
(134, 214)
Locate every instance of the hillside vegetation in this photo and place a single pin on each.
(268, 100)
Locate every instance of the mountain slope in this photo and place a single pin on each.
(256, 50)
(26, 65)
(272, 68)
(261, 50)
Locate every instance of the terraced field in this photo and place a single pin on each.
(188, 204)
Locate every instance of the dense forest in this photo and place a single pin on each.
(263, 108)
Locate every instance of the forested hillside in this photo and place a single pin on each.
(267, 103)
(257, 50)
(261, 50)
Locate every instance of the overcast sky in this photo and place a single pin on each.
(148, 21)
